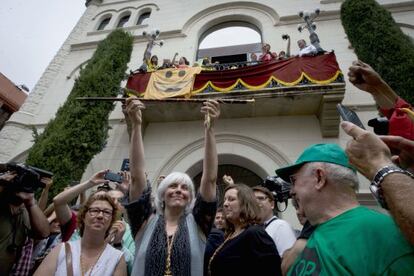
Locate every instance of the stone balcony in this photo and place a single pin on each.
(294, 87)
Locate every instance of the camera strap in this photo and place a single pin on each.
(270, 221)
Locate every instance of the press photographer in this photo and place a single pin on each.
(278, 229)
(280, 190)
(21, 219)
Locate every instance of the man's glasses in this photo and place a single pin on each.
(93, 212)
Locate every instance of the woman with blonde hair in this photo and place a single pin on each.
(91, 255)
(247, 249)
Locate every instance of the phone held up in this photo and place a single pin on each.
(114, 177)
(349, 115)
(125, 165)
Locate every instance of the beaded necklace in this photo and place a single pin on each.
(170, 241)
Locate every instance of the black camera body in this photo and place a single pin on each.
(279, 188)
(380, 125)
(285, 36)
(27, 178)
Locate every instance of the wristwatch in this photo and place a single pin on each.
(375, 186)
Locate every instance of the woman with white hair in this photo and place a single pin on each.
(171, 241)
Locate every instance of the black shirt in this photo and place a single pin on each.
(253, 252)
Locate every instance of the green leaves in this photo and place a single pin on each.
(379, 41)
(80, 129)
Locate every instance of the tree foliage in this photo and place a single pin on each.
(379, 41)
(80, 129)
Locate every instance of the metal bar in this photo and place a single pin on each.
(115, 99)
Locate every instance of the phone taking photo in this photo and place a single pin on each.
(349, 115)
(114, 177)
(125, 165)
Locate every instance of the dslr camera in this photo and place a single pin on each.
(27, 178)
(279, 188)
(285, 37)
(380, 125)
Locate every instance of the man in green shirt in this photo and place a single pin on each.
(349, 239)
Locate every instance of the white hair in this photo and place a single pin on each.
(172, 178)
(338, 174)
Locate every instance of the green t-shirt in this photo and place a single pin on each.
(358, 242)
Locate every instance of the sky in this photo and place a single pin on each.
(32, 31)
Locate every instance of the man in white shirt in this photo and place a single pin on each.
(280, 230)
(306, 50)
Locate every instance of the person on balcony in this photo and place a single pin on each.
(266, 54)
(253, 59)
(150, 63)
(183, 63)
(306, 50)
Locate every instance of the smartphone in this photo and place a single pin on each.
(114, 177)
(349, 115)
(125, 165)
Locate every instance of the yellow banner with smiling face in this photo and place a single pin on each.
(168, 83)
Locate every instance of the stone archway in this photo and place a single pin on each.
(257, 16)
(250, 153)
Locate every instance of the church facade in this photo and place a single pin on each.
(252, 140)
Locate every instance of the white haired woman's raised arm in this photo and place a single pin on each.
(211, 109)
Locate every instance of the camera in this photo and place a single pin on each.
(380, 125)
(27, 178)
(279, 188)
(285, 37)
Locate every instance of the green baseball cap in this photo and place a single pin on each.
(329, 153)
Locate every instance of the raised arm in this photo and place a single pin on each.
(365, 78)
(63, 213)
(368, 153)
(136, 149)
(148, 49)
(38, 221)
(45, 193)
(288, 47)
(211, 109)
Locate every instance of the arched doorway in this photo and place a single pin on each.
(230, 42)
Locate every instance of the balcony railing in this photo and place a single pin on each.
(297, 86)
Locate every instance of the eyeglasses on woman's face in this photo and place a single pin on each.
(93, 212)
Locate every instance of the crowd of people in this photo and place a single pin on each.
(172, 229)
(151, 64)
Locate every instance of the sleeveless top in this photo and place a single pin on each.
(105, 265)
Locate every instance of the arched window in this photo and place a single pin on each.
(124, 19)
(104, 23)
(143, 17)
(230, 42)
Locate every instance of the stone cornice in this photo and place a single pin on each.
(137, 38)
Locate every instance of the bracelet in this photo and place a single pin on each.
(375, 186)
